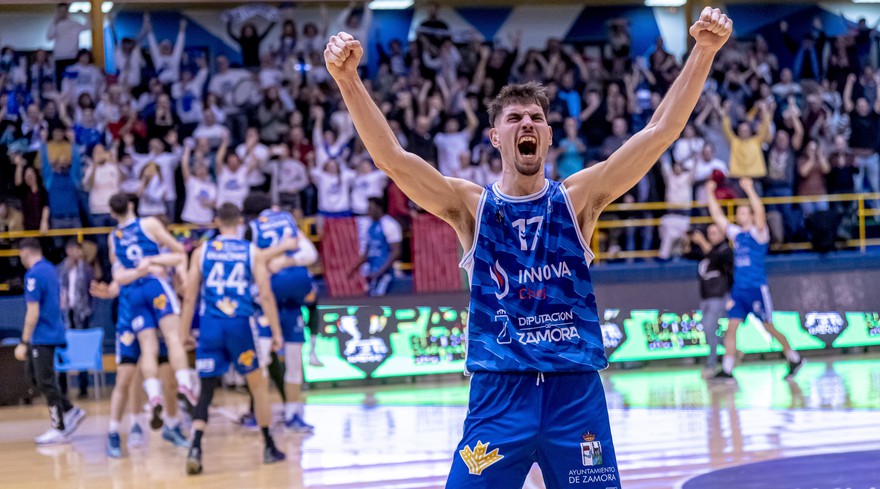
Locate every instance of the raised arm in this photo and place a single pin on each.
(755, 202)
(421, 182)
(715, 210)
(847, 93)
(596, 187)
(191, 295)
(157, 232)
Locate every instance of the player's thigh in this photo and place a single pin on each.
(576, 448)
(238, 340)
(293, 328)
(162, 302)
(498, 446)
(212, 359)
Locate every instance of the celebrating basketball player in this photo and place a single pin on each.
(221, 275)
(534, 341)
(750, 293)
(149, 302)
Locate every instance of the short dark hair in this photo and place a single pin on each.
(255, 203)
(119, 203)
(521, 93)
(72, 242)
(228, 214)
(32, 244)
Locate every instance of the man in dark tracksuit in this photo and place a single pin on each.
(43, 333)
(716, 279)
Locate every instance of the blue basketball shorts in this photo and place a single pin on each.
(559, 420)
(753, 300)
(142, 304)
(291, 322)
(224, 342)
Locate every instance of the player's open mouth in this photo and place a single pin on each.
(527, 145)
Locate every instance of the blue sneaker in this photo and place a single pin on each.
(297, 425)
(114, 445)
(272, 455)
(248, 421)
(175, 436)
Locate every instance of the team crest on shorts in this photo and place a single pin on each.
(160, 302)
(479, 459)
(126, 338)
(246, 358)
(591, 451)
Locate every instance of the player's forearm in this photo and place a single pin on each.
(676, 108)
(125, 276)
(30, 322)
(716, 212)
(169, 259)
(369, 122)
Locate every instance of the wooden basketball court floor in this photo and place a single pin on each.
(667, 423)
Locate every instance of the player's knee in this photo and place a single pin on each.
(293, 373)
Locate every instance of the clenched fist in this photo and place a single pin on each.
(712, 30)
(343, 55)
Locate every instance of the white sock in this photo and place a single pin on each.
(134, 419)
(114, 427)
(183, 378)
(293, 408)
(171, 421)
(793, 356)
(153, 388)
(727, 363)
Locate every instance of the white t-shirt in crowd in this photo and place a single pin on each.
(223, 84)
(152, 201)
(261, 154)
(167, 166)
(197, 192)
(334, 191)
(367, 185)
(449, 147)
(291, 176)
(104, 185)
(232, 186)
(66, 35)
(80, 79)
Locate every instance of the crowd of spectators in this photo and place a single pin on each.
(186, 133)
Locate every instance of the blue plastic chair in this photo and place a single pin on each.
(83, 353)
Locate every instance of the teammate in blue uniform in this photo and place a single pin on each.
(220, 277)
(534, 341)
(149, 302)
(125, 390)
(42, 333)
(294, 289)
(750, 293)
(381, 248)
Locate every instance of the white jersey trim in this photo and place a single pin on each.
(524, 198)
(467, 260)
(588, 253)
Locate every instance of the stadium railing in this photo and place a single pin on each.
(310, 228)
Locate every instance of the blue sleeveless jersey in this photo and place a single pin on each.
(227, 276)
(532, 305)
(271, 227)
(131, 244)
(749, 251)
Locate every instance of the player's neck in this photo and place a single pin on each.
(517, 185)
(229, 232)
